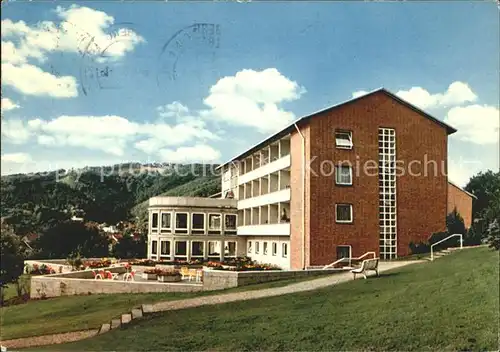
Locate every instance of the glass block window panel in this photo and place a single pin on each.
(387, 193)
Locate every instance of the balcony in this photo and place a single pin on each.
(270, 198)
(282, 229)
(262, 171)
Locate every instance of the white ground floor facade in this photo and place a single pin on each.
(273, 250)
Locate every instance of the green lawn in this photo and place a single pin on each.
(73, 313)
(449, 304)
(11, 291)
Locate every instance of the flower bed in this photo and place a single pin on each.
(36, 269)
(96, 264)
(176, 262)
(240, 264)
(169, 276)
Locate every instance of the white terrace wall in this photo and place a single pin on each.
(220, 279)
(81, 283)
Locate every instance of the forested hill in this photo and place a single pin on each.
(104, 195)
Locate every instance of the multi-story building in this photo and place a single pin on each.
(369, 174)
(193, 228)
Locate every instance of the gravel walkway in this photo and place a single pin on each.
(313, 284)
(309, 285)
(48, 339)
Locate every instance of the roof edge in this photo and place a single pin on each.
(449, 129)
(463, 190)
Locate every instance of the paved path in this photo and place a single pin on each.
(309, 285)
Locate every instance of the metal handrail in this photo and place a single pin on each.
(444, 239)
(350, 259)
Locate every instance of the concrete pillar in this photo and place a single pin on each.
(172, 249)
(222, 249)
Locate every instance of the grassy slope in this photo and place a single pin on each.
(64, 314)
(450, 304)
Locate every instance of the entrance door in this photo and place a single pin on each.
(343, 252)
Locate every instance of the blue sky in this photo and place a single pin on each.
(171, 89)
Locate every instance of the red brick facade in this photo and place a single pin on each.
(421, 200)
(458, 198)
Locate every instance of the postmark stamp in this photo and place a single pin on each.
(98, 69)
(199, 39)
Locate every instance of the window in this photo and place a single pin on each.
(275, 248)
(214, 223)
(198, 223)
(343, 175)
(265, 248)
(343, 252)
(166, 220)
(343, 139)
(230, 249)
(181, 222)
(343, 213)
(249, 245)
(257, 245)
(154, 247)
(165, 248)
(284, 250)
(230, 223)
(213, 248)
(181, 248)
(197, 248)
(154, 221)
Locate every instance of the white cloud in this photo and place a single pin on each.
(174, 109)
(359, 93)
(8, 105)
(15, 131)
(252, 98)
(111, 134)
(17, 158)
(31, 80)
(475, 123)
(457, 93)
(80, 28)
(197, 153)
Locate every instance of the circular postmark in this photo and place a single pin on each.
(200, 40)
(99, 68)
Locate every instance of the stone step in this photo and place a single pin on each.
(126, 318)
(136, 313)
(147, 308)
(115, 323)
(104, 328)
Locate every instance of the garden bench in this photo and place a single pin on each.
(366, 265)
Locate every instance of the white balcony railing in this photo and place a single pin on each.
(276, 165)
(265, 199)
(265, 230)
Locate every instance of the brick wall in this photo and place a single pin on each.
(457, 198)
(421, 200)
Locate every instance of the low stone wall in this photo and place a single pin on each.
(220, 279)
(44, 286)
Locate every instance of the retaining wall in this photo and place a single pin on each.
(220, 279)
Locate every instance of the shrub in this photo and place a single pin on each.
(168, 273)
(419, 248)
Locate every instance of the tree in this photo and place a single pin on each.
(66, 238)
(485, 187)
(12, 261)
(455, 223)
